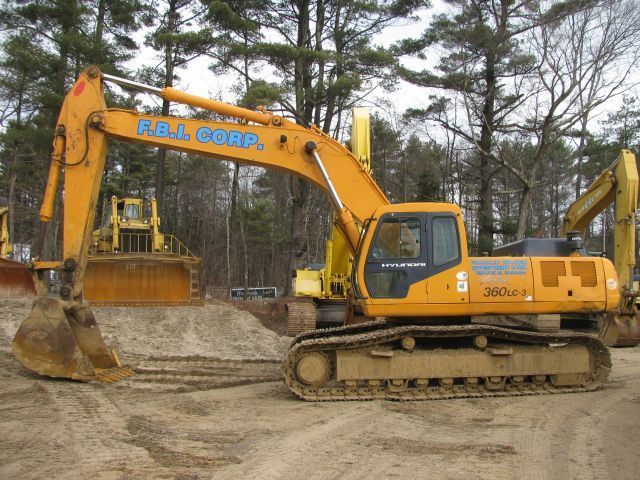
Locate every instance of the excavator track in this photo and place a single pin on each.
(441, 362)
(301, 317)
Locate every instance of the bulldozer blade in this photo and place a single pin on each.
(62, 339)
(16, 281)
(628, 331)
(142, 280)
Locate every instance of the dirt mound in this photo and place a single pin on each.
(214, 331)
(12, 312)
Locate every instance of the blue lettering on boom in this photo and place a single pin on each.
(219, 136)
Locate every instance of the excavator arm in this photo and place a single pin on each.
(617, 185)
(61, 337)
(5, 246)
(86, 124)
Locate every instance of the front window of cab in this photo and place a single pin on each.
(131, 211)
(397, 237)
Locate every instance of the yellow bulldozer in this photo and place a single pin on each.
(131, 263)
(425, 320)
(15, 280)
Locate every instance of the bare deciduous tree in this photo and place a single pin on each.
(584, 61)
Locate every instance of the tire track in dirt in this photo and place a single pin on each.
(185, 446)
(594, 426)
(302, 453)
(183, 374)
(573, 438)
(92, 427)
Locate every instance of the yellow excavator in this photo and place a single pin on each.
(15, 279)
(617, 185)
(131, 263)
(323, 290)
(442, 325)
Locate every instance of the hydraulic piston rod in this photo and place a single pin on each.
(173, 95)
(344, 217)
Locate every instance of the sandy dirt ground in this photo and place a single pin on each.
(207, 403)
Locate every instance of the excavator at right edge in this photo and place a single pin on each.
(617, 185)
(438, 322)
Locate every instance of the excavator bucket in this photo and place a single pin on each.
(143, 280)
(628, 331)
(62, 339)
(16, 281)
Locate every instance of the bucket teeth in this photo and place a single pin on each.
(111, 375)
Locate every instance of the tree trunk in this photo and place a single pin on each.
(299, 189)
(228, 252)
(162, 156)
(485, 214)
(10, 202)
(299, 194)
(523, 213)
(583, 139)
(169, 65)
(102, 8)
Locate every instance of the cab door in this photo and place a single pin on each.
(447, 281)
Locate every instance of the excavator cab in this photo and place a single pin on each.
(413, 261)
(404, 250)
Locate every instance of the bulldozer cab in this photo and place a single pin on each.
(130, 214)
(126, 227)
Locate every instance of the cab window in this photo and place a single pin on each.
(397, 237)
(445, 240)
(131, 212)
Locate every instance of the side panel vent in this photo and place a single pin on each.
(587, 273)
(550, 271)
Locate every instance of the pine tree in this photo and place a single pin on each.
(177, 43)
(483, 54)
(325, 58)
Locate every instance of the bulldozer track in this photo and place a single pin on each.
(377, 333)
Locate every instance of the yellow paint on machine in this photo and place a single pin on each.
(538, 288)
(142, 280)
